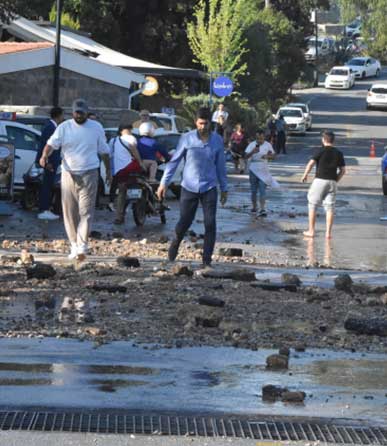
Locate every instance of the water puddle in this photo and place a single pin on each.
(70, 373)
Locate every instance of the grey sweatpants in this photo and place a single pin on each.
(79, 193)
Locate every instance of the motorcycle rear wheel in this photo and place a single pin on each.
(139, 212)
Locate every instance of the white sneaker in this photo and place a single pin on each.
(74, 252)
(47, 215)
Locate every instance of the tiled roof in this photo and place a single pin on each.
(16, 47)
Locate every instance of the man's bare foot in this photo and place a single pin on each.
(308, 234)
(328, 236)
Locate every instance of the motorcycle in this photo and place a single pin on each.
(32, 182)
(142, 195)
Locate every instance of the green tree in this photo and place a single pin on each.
(275, 57)
(374, 22)
(66, 20)
(215, 36)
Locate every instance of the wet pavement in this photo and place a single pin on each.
(73, 374)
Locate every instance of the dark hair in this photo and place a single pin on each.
(260, 132)
(203, 113)
(55, 112)
(328, 136)
(124, 127)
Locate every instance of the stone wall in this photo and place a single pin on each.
(35, 87)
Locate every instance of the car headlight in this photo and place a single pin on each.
(35, 171)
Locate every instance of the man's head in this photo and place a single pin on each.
(125, 129)
(221, 107)
(144, 115)
(260, 136)
(328, 138)
(202, 121)
(80, 111)
(57, 114)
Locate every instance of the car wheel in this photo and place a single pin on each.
(363, 75)
(377, 73)
(368, 107)
(310, 128)
(384, 186)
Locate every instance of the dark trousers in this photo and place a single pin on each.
(46, 190)
(281, 142)
(189, 202)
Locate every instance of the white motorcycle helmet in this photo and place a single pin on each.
(146, 129)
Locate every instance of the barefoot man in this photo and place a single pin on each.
(330, 168)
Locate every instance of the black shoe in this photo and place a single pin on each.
(173, 250)
(262, 213)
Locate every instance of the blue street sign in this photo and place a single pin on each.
(222, 86)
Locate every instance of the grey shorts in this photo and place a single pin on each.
(322, 192)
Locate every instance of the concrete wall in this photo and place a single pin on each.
(35, 87)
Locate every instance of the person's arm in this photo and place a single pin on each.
(46, 153)
(104, 152)
(221, 171)
(341, 173)
(163, 151)
(251, 149)
(171, 167)
(308, 168)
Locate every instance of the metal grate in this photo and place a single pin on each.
(198, 426)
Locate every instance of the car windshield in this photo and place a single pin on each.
(312, 43)
(168, 141)
(339, 72)
(356, 62)
(379, 90)
(291, 113)
(301, 106)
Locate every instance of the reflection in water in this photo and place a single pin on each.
(360, 374)
(111, 385)
(32, 368)
(25, 382)
(311, 252)
(121, 370)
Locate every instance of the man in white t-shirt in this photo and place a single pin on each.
(219, 112)
(125, 160)
(81, 141)
(258, 152)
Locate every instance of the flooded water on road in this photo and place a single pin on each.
(70, 373)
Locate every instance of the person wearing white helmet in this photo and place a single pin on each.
(148, 148)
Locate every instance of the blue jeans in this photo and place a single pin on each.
(189, 202)
(257, 185)
(46, 190)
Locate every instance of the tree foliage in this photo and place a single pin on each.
(215, 36)
(274, 59)
(67, 20)
(374, 22)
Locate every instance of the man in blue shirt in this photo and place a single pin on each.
(205, 167)
(54, 160)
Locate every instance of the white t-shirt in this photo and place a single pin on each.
(80, 145)
(259, 166)
(218, 113)
(121, 155)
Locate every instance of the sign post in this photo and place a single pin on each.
(221, 85)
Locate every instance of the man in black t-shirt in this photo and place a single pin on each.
(330, 168)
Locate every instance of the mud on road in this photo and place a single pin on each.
(178, 306)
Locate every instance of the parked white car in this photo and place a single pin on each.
(364, 67)
(26, 141)
(172, 123)
(305, 110)
(325, 46)
(377, 96)
(340, 77)
(353, 29)
(294, 119)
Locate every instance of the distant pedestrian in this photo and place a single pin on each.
(204, 168)
(125, 160)
(53, 162)
(219, 112)
(144, 117)
(280, 126)
(259, 152)
(80, 140)
(330, 168)
(238, 144)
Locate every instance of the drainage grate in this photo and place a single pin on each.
(198, 426)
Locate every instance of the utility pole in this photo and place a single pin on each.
(316, 46)
(59, 5)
